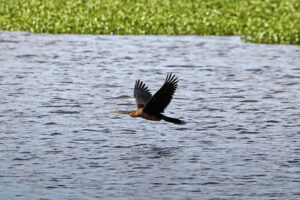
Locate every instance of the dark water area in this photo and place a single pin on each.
(60, 140)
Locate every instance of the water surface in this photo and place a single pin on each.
(59, 139)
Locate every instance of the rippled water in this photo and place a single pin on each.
(60, 140)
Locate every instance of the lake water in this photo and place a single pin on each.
(60, 140)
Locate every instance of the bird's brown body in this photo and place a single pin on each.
(151, 107)
(140, 113)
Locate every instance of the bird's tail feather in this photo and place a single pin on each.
(173, 120)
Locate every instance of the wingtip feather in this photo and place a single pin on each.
(171, 78)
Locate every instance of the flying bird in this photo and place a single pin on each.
(151, 107)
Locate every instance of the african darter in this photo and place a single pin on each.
(151, 107)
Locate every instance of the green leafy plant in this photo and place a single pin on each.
(261, 21)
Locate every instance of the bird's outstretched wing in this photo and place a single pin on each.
(141, 94)
(163, 96)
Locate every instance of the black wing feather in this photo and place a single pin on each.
(162, 98)
(141, 94)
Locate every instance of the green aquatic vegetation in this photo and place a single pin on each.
(261, 21)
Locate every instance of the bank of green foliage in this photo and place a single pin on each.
(261, 21)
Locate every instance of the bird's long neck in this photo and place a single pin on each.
(134, 114)
(123, 112)
(131, 113)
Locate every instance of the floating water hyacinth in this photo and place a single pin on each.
(256, 21)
